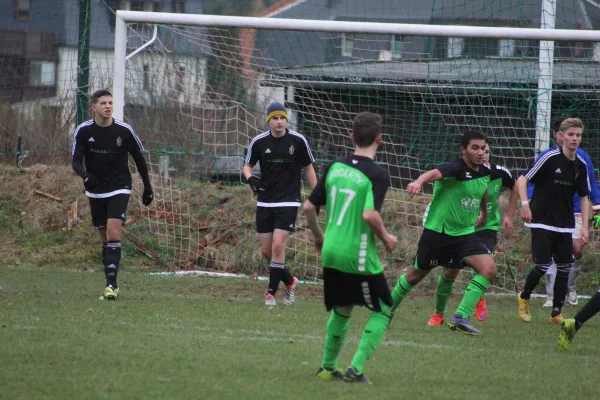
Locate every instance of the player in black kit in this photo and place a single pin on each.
(557, 176)
(281, 153)
(105, 143)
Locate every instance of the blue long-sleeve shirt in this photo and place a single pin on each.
(595, 192)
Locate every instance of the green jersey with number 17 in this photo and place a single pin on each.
(350, 187)
(456, 200)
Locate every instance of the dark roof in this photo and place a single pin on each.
(479, 73)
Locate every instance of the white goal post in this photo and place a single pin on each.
(548, 34)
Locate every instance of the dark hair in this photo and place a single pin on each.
(472, 135)
(100, 93)
(557, 121)
(366, 128)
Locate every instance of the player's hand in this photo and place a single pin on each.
(526, 212)
(585, 235)
(507, 225)
(255, 184)
(90, 182)
(147, 196)
(413, 188)
(390, 243)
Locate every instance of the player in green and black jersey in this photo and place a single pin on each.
(449, 240)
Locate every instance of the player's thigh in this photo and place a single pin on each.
(541, 246)
(116, 207)
(98, 211)
(285, 218)
(489, 238)
(341, 289)
(434, 250)
(562, 247)
(471, 251)
(265, 219)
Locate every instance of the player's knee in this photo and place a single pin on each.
(414, 276)
(563, 270)
(488, 269)
(278, 248)
(450, 274)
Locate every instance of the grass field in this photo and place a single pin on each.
(207, 338)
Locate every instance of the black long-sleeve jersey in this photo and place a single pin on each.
(556, 180)
(106, 150)
(281, 160)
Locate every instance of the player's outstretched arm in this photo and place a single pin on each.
(313, 224)
(427, 177)
(375, 222)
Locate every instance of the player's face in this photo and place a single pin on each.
(277, 124)
(103, 107)
(571, 138)
(474, 154)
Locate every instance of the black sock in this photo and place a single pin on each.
(560, 288)
(590, 309)
(287, 278)
(276, 272)
(104, 253)
(532, 280)
(111, 263)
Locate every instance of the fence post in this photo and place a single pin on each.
(19, 149)
(83, 59)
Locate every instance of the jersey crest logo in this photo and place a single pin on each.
(354, 162)
(268, 151)
(468, 175)
(119, 141)
(291, 149)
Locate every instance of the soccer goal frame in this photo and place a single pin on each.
(546, 34)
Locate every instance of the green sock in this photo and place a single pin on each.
(371, 337)
(334, 338)
(400, 291)
(442, 293)
(475, 290)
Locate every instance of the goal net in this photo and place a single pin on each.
(197, 92)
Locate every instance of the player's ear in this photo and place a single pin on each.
(379, 138)
(352, 137)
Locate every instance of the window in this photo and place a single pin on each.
(22, 10)
(507, 48)
(347, 45)
(42, 73)
(178, 6)
(397, 47)
(146, 77)
(455, 47)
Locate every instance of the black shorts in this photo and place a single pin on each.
(441, 250)
(270, 218)
(114, 207)
(342, 289)
(489, 237)
(548, 246)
